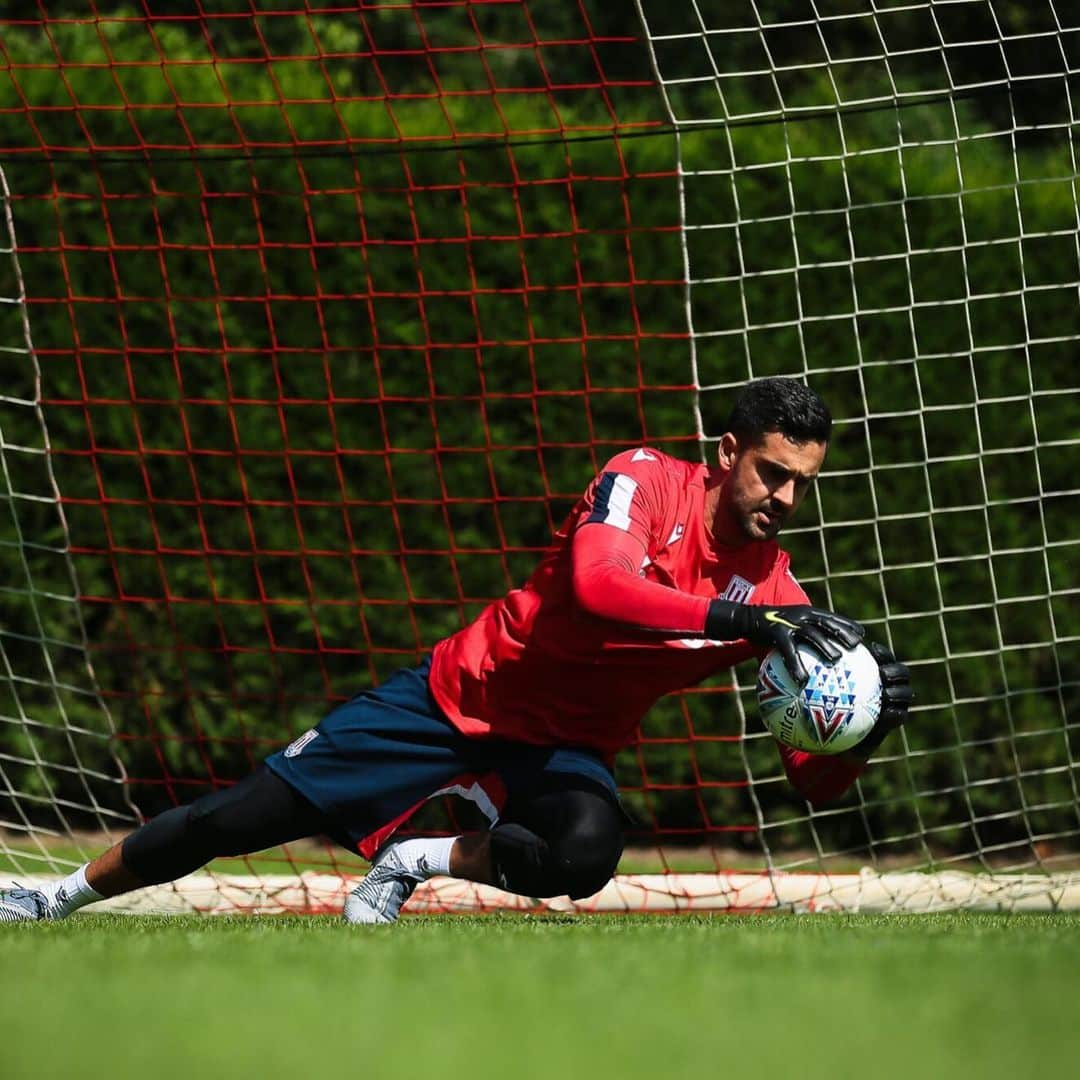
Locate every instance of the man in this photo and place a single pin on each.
(664, 572)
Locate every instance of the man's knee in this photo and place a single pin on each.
(587, 855)
(570, 845)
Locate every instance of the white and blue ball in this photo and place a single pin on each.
(834, 711)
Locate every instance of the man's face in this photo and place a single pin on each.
(765, 483)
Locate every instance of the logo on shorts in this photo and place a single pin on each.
(297, 745)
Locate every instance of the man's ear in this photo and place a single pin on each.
(727, 450)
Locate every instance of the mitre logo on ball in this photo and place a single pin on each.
(833, 712)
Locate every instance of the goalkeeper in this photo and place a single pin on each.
(665, 572)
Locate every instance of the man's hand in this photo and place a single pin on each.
(783, 628)
(896, 697)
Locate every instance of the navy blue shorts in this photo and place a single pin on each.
(374, 760)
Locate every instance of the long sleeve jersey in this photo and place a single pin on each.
(613, 618)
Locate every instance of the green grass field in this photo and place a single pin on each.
(768, 996)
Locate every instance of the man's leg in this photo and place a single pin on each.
(260, 811)
(563, 836)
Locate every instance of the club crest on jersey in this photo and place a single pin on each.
(297, 745)
(737, 589)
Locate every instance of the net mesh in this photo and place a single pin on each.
(43, 637)
(881, 197)
(335, 309)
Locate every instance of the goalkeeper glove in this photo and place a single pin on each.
(782, 628)
(896, 696)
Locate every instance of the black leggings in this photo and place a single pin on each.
(259, 812)
(564, 836)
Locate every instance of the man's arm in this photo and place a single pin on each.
(607, 584)
(618, 522)
(621, 512)
(820, 778)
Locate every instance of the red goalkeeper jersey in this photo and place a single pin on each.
(611, 620)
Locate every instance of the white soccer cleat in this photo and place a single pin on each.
(23, 905)
(386, 886)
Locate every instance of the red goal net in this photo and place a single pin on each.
(336, 311)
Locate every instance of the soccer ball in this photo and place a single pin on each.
(836, 708)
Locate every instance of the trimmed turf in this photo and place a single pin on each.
(513, 997)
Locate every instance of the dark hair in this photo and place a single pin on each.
(778, 404)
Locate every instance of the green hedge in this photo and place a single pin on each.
(370, 468)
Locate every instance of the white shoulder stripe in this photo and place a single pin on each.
(622, 495)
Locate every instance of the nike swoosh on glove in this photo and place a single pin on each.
(784, 628)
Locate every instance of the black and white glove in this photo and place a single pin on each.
(783, 628)
(896, 696)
